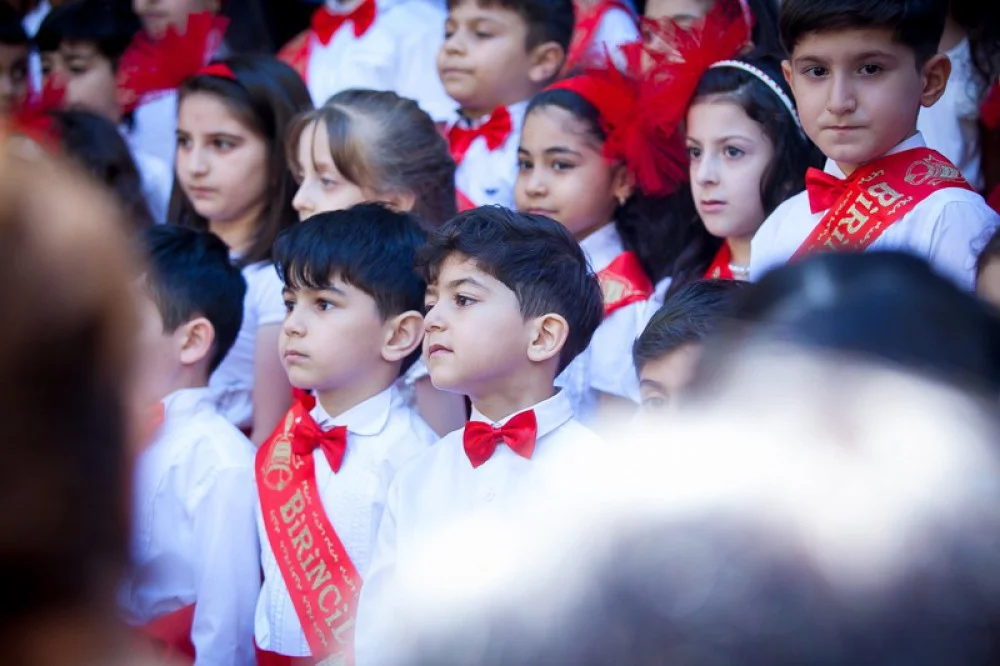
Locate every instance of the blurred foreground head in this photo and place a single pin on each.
(816, 510)
(64, 364)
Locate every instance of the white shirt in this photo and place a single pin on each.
(398, 52)
(441, 488)
(31, 22)
(232, 382)
(154, 130)
(382, 435)
(948, 229)
(488, 176)
(157, 182)
(194, 538)
(616, 28)
(606, 364)
(951, 126)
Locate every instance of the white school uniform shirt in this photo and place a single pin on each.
(382, 435)
(398, 52)
(31, 22)
(157, 182)
(488, 176)
(616, 28)
(948, 229)
(951, 126)
(606, 364)
(232, 382)
(441, 489)
(194, 536)
(154, 128)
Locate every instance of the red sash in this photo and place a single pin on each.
(585, 32)
(464, 202)
(320, 577)
(172, 634)
(877, 196)
(720, 270)
(296, 54)
(624, 282)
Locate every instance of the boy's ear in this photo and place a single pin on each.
(195, 340)
(403, 334)
(546, 61)
(786, 69)
(934, 74)
(548, 336)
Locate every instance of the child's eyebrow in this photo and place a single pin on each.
(653, 384)
(561, 150)
(455, 284)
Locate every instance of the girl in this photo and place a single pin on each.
(748, 154)
(366, 145)
(232, 179)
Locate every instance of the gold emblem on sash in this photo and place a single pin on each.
(613, 290)
(932, 171)
(278, 467)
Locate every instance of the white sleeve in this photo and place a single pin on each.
(266, 288)
(374, 606)
(612, 370)
(961, 231)
(418, 75)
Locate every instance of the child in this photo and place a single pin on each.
(761, 15)
(232, 179)
(666, 353)
(988, 272)
(379, 44)
(195, 573)
(366, 145)
(81, 45)
(860, 73)
(602, 26)
(496, 56)
(524, 279)
(352, 328)
(13, 60)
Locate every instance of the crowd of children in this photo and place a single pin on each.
(404, 270)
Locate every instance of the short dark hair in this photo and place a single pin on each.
(368, 246)
(547, 20)
(190, 275)
(535, 257)
(917, 24)
(108, 24)
(11, 28)
(694, 312)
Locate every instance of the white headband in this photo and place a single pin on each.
(766, 80)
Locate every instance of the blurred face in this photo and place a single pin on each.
(221, 164)
(858, 92)
(683, 12)
(322, 188)
(158, 15)
(729, 154)
(988, 283)
(563, 174)
(461, 305)
(158, 353)
(662, 380)
(13, 76)
(88, 76)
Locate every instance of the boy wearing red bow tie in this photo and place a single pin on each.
(860, 72)
(195, 570)
(352, 328)
(511, 302)
(496, 56)
(374, 44)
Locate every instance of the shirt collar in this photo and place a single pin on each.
(549, 414)
(366, 418)
(602, 246)
(184, 402)
(915, 141)
(515, 110)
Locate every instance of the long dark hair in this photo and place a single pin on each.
(981, 21)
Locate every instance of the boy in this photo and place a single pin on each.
(196, 572)
(668, 350)
(353, 328)
(81, 45)
(860, 72)
(496, 56)
(522, 281)
(379, 44)
(13, 61)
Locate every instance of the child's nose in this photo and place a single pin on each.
(707, 171)
(841, 99)
(302, 203)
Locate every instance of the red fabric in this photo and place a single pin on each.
(496, 130)
(585, 32)
(464, 202)
(296, 53)
(994, 199)
(265, 658)
(481, 439)
(990, 109)
(325, 23)
(623, 282)
(33, 118)
(720, 270)
(219, 69)
(171, 633)
(309, 436)
(824, 189)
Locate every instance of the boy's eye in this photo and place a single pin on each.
(869, 70)
(733, 152)
(323, 305)
(654, 403)
(289, 305)
(815, 72)
(463, 301)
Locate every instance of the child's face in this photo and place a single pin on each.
(683, 12)
(858, 92)
(13, 76)
(222, 165)
(463, 305)
(158, 352)
(322, 188)
(662, 380)
(563, 174)
(729, 154)
(988, 283)
(89, 78)
(158, 15)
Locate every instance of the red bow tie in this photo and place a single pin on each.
(481, 439)
(823, 189)
(325, 23)
(495, 131)
(309, 436)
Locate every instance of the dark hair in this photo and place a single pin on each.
(990, 252)
(917, 24)
(368, 246)
(190, 275)
(535, 257)
(547, 20)
(664, 232)
(981, 21)
(794, 153)
(764, 35)
(265, 96)
(109, 25)
(386, 144)
(11, 28)
(690, 315)
(247, 31)
(94, 142)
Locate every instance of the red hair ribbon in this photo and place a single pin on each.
(219, 69)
